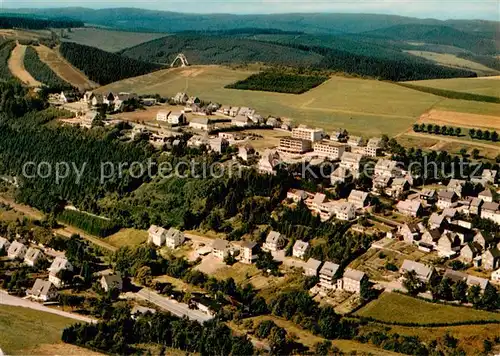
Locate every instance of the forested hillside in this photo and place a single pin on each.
(36, 23)
(104, 67)
(203, 49)
(40, 71)
(442, 35)
(5, 49)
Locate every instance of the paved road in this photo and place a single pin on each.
(7, 299)
(179, 309)
(199, 238)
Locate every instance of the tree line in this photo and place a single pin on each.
(94, 225)
(104, 67)
(280, 82)
(5, 50)
(437, 129)
(41, 71)
(36, 23)
(452, 94)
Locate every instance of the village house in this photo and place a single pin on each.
(220, 248)
(273, 122)
(193, 100)
(456, 185)
(178, 118)
(4, 245)
(224, 110)
(373, 147)
(327, 275)
(398, 187)
(16, 250)
(358, 198)
(33, 256)
(96, 100)
(180, 98)
(198, 141)
(246, 152)
(201, 123)
(241, 121)
(42, 290)
(87, 97)
(489, 176)
(162, 115)
(387, 168)
(112, 281)
(297, 195)
(464, 233)
(448, 244)
(311, 268)
(304, 133)
(428, 195)
(294, 145)
(380, 183)
(486, 195)
(231, 136)
(345, 211)
(174, 238)
(157, 235)
(300, 248)
(490, 211)
(315, 203)
(233, 111)
(424, 273)
(484, 239)
(352, 280)
(470, 251)
(475, 206)
(340, 175)
(68, 97)
(491, 259)
(268, 162)
(351, 162)
(457, 276)
(410, 232)
(355, 141)
(245, 111)
(495, 276)
(430, 238)
(411, 208)
(149, 101)
(446, 199)
(218, 144)
(329, 149)
(248, 252)
(59, 264)
(274, 241)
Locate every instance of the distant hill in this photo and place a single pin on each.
(202, 49)
(438, 34)
(33, 23)
(133, 19)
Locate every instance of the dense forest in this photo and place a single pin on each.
(280, 82)
(42, 72)
(94, 225)
(104, 67)
(5, 49)
(32, 23)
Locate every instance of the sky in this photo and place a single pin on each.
(444, 9)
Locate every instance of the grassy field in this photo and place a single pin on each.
(23, 328)
(490, 87)
(109, 40)
(451, 60)
(127, 237)
(365, 107)
(394, 307)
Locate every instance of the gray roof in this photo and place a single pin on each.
(40, 288)
(490, 206)
(172, 232)
(486, 193)
(200, 120)
(455, 276)
(354, 274)
(313, 264)
(113, 279)
(273, 237)
(446, 194)
(422, 270)
(329, 269)
(358, 195)
(248, 244)
(60, 263)
(33, 254)
(301, 245)
(477, 281)
(220, 244)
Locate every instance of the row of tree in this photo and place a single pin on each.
(483, 135)
(437, 129)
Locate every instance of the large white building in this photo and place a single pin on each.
(174, 238)
(305, 133)
(157, 235)
(351, 162)
(327, 275)
(329, 149)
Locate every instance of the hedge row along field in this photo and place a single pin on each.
(478, 134)
(40, 71)
(450, 94)
(94, 225)
(279, 82)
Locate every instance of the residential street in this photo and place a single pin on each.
(7, 299)
(174, 307)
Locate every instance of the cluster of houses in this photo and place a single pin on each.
(425, 273)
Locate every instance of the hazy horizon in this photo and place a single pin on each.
(442, 10)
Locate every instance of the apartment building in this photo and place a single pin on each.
(305, 133)
(294, 145)
(329, 149)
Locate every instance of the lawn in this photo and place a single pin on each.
(490, 87)
(366, 107)
(395, 307)
(23, 328)
(109, 40)
(127, 237)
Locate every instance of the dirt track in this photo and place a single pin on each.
(16, 66)
(63, 68)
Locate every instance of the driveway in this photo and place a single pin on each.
(7, 299)
(178, 309)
